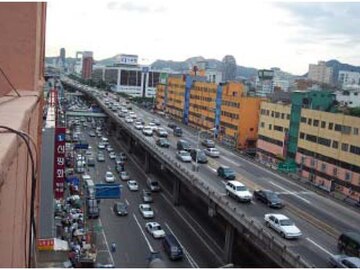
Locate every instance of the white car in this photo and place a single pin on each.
(146, 211)
(109, 177)
(124, 176)
(283, 225)
(155, 230)
(129, 120)
(112, 155)
(212, 152)
(109, 148)
(183, 155)
(238, 191)
(147, 131)
(132, 185)
(138, 126)
(101, 146)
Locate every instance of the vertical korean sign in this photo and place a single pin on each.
(59, 163)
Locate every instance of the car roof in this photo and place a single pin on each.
(145, 204)
(236, 183)
(353, 235)
(153, 223)
(224, 167)
(279, 216)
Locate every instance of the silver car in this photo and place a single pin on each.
(183, 155)
(343, 261)
(146, 211)
(212, 152)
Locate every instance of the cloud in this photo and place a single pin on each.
(131, 7)
(336, 23)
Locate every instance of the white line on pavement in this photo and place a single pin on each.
(231, 161)
(187, 254)
(211, 168)
(282, 188)
(106, 242)
(142, 231)
(320, 247)
(127, 202)
(193, 229)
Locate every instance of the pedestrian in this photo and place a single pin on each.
(113, 247)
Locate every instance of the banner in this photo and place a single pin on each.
(59, 162)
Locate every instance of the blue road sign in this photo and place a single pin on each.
(61, 137)
(107, 191)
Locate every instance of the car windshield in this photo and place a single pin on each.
(286, 222)
(157, 228)
(154, 183)
(241, 188)
(272, 196)
(108, 174)
(146, 208)
(228, 170)
(184, 153)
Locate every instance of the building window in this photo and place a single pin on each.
(323, 124)
(278, 128)
(331, 126)
(313, 162)
(272, 113)
(310, 121)
(337, 127)
(356, 131)
(277, 115)
(344, 147)
(283, 116)
(302, 135)
(270, 126)
(286, 130)
(348, 176)
(288, 116)
(316, 123)
(303, 120)
(335, 144)
(355, 150)
(262, 124)
(335, 171)
(323, 167)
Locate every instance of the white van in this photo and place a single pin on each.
(238, 191)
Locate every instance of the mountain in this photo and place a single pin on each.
(337, 66)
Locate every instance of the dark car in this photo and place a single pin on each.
(208, 143)
(120, 209)
(201, 157)
(172, 247)
(269, 197)
(162, 142)
(177, 132)
(120, 168)
(226, 173)
(92, 134)
(90, 161)
(183, 145)
(172, 125)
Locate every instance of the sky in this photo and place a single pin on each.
(259, 34)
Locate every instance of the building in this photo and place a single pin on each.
(22, 55)
(320, 73)
(264, 82)
(229, 68)
(223, 108)
(128, 77)
(87, 65)
(348, 98)
(348, 78)
(281, 79)
(324, 145)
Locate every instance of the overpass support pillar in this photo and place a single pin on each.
(131, 145)
(176, 192)
(147, 162)
(229, 242)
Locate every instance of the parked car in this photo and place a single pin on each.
(172, 247)
(146, 211)
(109, 177)
(238, 191)
(283, 225)
(120, 208)
(124, 176)
(93, 210)
(132, 185)
(226, 172)
(212, 152)
(268, 197)
(146, 196)
(162, 142)
(344, 261)
(183, 155)
(208, 143)
(155, 230)
(201, 157)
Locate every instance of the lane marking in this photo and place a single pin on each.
(106, 242)
(211, 168)
(231, 161)
(127, 202)
(195, 231)
(320, 247)
(187, 254)
(146, 239)
(284, 189)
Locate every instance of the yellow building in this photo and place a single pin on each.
(329, 151)
(205, 105)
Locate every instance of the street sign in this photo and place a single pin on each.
(107, 191)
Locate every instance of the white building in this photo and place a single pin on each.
(264, 83)
(348, 78)
(348, 98)
(320, 73)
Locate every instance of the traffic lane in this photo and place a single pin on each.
(177, 220)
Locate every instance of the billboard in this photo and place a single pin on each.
(59, 162)
(107, 191)
(163, 78)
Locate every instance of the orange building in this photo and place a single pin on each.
(22, 51)
(205, 105)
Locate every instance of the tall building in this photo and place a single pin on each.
(22, 53)
(222, 107)
(87, 65)
(264, 82)
(62, 56)
(128, 77)
(320, 73)
(229, 68)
